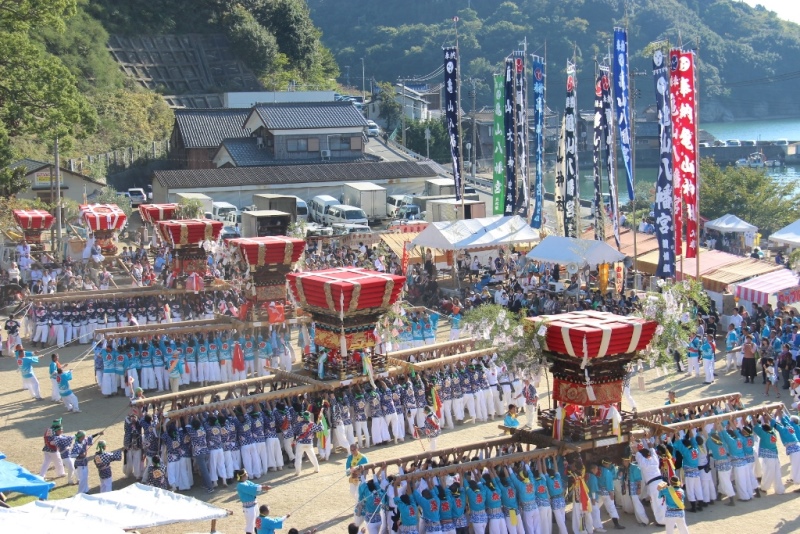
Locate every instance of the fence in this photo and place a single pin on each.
(121, 159)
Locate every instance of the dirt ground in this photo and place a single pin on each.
(323, 500)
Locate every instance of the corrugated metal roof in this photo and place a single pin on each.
(287, 174)
(310, 115)
(718, 279)
(206, 128)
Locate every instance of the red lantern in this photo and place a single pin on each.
(189, 231)
(270, 250)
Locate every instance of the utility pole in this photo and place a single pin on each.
(58, 204)
(347, 75)
(473, 162)
(363, 84)
(403, 111)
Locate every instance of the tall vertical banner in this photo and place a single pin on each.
(499, 151)
(538, 139)
(451, 112)
(561, 190)
(509, 133)
(521, 130)
(684, 153)
(597, 204)
(622, 103)
(608, 134)
(571, 212)
(664, 220)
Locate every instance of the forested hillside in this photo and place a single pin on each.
(736, 43)
(59, 79)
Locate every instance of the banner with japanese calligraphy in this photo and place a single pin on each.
(509, 133)
(571, 208)
(684, 135)
(664, 219)
(597, 204)
(608, 133)
(499, 151)
(622, 103)
(561, 189)
(521, 138)
(452, 111)
(538, 140)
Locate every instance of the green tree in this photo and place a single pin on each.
(108, 195)
(391, 109)
(438, 146)
(251, 41)
(290, 22)
(750, 194)
(190, 208)
(12, 181)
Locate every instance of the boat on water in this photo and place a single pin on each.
(756, 160)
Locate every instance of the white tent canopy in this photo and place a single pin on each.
(134, 507)
(34, 522)
(788, 235)
(477, 234)
(730, 224)
(582, 252)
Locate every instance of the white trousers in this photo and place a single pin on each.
(530, 415)
(494, 405)
(561, 519)
(638, 510)
(390, 419)
(794, 458)
(41, 334)
(658, 507)
(578, 517)
(380, 432)
(707, 483)
(69, 463)
(274, 453)
(724, 484)
(133, 465)
(708, 367)
(730, 361)
(676, 522)
(694, 489)
(83, 478)
(148, 378)
(771, 475)
(608, 504)
(286, 443)
(458, 409)
(54, 459)
(186, 472)
(32, 385)
(105, 485)
(741, 475)
(261, 450)
(545, 514)
(228, 457)
(251, 460)
(250, 515)
(469, 404)
(361, 430)
(515, 529)
(693, 366)
(54, 395)
(216, 465)
(480, 406)
(308, 450)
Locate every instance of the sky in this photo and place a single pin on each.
(786, 9)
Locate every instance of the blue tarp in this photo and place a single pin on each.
(14, 477)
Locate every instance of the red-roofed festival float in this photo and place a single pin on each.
(33, 223)
(153, 213)
(187, 237)
(590, 351)
(269, 259)
(105, 221)
(345, 304)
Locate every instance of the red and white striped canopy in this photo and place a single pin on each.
(759, 289)
(103, 216)
(33, 219)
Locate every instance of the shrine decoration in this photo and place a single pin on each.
(104, 221)
(187, 237)
(590, 352)
(33, 223)
(345, 305)
(153, 213)
(269, 259)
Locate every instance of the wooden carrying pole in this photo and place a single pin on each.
(120, 293)
(442, 453)
(713, 419)
(230, 404)
(681, 406)
(156, 327)
(549, 452)
(301, 379)
(435, 350)
(164, 330)
(184, 397)
(450, 360)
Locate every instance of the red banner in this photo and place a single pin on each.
(684, 153)
(404, 261)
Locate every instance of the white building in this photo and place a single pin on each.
(415, 107)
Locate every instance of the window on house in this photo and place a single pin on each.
(339, 143)
(297, 145)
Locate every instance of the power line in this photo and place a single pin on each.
(758, 81)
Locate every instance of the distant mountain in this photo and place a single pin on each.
(747, 56)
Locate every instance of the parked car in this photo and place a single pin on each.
(137, 195)
(372, 129)
(342, 213)
(733, 142)
(222, 209)
(229, 232)
(318, 207)
(394, 203)
(344, 229)
(409, 212)
(781, 142)
(748, 143)
(233, 218)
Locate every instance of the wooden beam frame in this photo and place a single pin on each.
(654, 418)
(436, 350)
(713, 419)
(122, 292)
(302, 379)
(180, 327)
(230, 404)
(449, 360)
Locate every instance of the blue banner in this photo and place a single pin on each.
(452, 112)
(521, 120)
(664, 218)
(608, 133)
(571, 192)
(538, 139)
(622, 103)
(510, 135)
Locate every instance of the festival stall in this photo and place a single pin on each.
(788, 235)
(345, 304)
(779, 286)
(104, 221)
(33, 223)
(188, 237)
(269, 260)
(731, 224)
(580, 252)
(590, 352)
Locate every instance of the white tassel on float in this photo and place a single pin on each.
(589, 388)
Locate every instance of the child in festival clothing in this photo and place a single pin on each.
(771, 377)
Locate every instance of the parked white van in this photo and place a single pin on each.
(344, 214)
(318, 206)
(220, 210)
(394, 203)
(302, 210)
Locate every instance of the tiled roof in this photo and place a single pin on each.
(29, 164)
(287, 174)
(310, 115)
(245, 153)
(206, 128)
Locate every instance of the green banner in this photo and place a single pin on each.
(498, 140)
